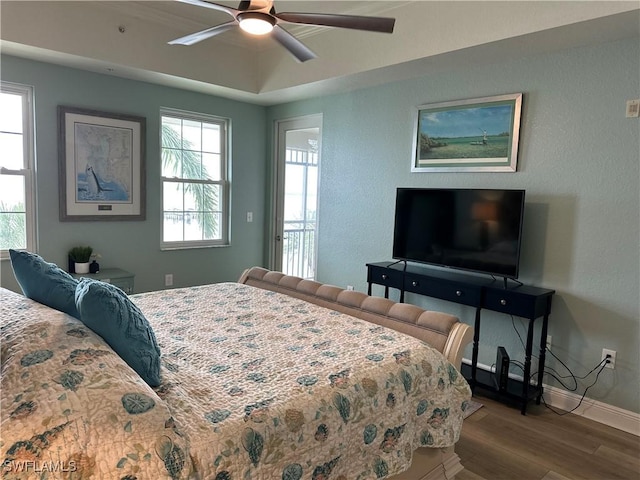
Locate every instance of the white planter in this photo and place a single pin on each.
(82, 267)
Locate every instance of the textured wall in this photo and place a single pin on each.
(578, 162)
(135, 246)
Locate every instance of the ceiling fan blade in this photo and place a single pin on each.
(214, 6)
(372, 24)
(204, 34)
(291, 43)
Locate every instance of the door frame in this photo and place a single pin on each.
(276, 221)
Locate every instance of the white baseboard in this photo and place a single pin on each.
(600, 412)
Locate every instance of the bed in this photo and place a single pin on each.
(270, 377)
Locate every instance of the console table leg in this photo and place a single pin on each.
(543, 353)
(474, 353)
(527, 367)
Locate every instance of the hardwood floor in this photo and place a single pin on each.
(498, 443)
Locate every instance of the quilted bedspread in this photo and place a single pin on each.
(266, 386)
(72, 409)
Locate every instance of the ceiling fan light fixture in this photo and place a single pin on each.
(258, 17)
(256, 23)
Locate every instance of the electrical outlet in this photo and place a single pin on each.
(168, 280)
(349, 287)
(548, 342)
(612, 358)
(633, 108)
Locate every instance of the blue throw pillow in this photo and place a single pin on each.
(107, 310)
(44, 282)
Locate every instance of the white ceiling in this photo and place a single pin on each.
(129, 39)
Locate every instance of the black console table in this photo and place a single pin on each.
(481, 293)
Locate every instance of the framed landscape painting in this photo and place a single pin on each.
(101, 165)
(477, 135)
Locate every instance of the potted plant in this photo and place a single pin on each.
(80, 257)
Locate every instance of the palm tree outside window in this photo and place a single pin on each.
(195, 186)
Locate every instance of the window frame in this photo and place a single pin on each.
(224, 182)
(28, 170)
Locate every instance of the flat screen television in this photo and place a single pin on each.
(476, 230)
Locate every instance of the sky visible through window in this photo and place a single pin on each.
(195, 159)
(13, 176)
(11, 145)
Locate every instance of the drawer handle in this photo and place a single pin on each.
(503, 302)
(458, 293)
(384, 277)
(414, 283)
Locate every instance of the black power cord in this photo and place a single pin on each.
(603, 363)
(555, 374)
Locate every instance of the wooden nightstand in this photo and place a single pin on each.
(115, 276)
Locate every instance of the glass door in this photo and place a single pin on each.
(297, 168)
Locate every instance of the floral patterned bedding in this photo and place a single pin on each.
(266, 386)
(72, 409)
(255, 385)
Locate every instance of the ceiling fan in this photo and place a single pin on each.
(259, 17)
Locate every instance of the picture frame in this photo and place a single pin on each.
(474, 135)
(101, 165)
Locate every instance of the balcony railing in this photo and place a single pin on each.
(298, 258)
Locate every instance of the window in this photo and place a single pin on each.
(17, 202)
(195, 185)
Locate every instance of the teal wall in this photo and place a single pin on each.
(135, 246)
(578, 162)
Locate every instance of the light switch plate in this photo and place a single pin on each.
(633, 108)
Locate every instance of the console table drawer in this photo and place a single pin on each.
(466, 295)
(510, 302)
(385, 276)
